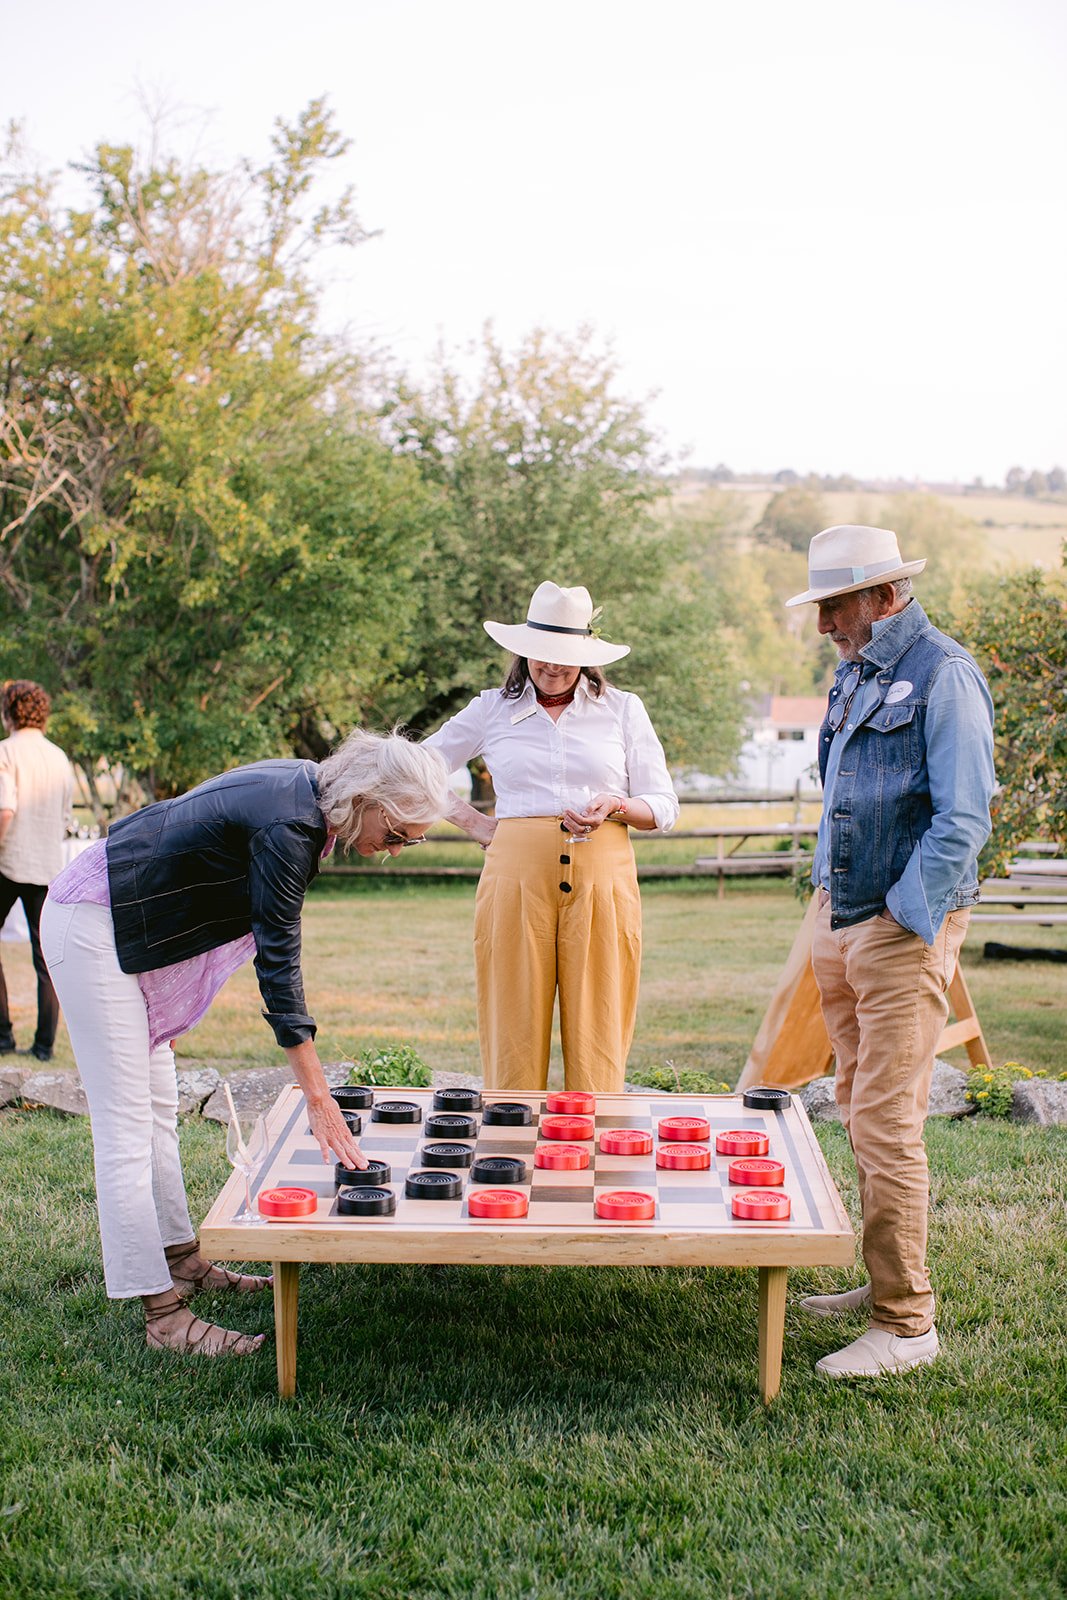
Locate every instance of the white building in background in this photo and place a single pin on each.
(781, 747)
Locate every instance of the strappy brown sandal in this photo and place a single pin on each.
(191, 1274)
(170, 1325)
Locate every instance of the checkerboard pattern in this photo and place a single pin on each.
(685, 1200)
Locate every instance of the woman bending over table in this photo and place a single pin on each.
(575, 763)
(141, 931)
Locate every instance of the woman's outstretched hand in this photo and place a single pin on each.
(333, 1134)
(324, 1114)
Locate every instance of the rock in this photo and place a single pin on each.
(947, 1096)
(948, 1092)
(254, 1091)
(11, 1082)
(59, 1091)
(1038, 1100)
(194, 1088)
(817, 1098)
(336, 1072)
(641, 1088)
(456, 1080)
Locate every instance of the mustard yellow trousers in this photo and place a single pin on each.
(552, 915)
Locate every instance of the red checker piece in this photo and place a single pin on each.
(683, 1157)
(561, 1157)
(757, 1169)
(757, 1206)
(742, 1142)
(685, 1128)
(497, 1203)
(573, 1101)
(626, 1142)
(626, 1205)
(566, 1128)
(287, 1202)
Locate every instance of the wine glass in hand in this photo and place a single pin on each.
(580, 797)
(246, 1145)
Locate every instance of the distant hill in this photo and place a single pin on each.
(1020, 531)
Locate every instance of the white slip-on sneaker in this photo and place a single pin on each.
(837, 1305)
(877, 1353)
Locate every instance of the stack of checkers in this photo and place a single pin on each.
(495, 1160)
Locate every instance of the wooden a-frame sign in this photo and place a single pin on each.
(792, 1045)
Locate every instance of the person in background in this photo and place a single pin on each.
(140, 933)
(906, 756)
(36, 791)
(575, 764)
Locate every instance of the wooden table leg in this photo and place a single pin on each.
(286, 1293)
(772, 1282)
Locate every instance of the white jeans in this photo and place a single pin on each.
(133, 1100)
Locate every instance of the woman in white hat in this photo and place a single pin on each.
(575, 764)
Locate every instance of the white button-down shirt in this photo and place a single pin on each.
(598, 746)
(37, 784)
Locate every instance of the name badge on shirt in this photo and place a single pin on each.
(520, 716)
(898, 691)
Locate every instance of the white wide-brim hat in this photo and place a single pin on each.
(558, 628)
(851, 557)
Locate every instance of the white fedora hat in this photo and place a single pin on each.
(851, 557)
(558, 628)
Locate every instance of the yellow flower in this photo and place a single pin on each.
(983, 1094)
(988, 1078)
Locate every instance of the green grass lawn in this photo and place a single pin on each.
(386, 962)
(509, 1433)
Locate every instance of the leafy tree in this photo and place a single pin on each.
(543, 471)
(203, 537)
(792, 516)
(1018, 631)
(954, 547)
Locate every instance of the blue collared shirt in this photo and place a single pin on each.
(959, 763)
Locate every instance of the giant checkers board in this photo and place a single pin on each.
(692, 1223)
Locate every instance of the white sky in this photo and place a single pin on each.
(823, 235)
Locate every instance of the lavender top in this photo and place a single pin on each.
(175, 997)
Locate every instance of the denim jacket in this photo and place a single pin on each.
(908, 811)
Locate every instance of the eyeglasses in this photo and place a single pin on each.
(837, 713)
(394, 836)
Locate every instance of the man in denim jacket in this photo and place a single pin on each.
(906, 757)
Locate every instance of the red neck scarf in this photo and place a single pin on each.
(552, 700)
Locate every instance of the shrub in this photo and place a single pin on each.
(668, 1078)
(393, 1066)
(990, 1089)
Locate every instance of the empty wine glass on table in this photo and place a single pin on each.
(246, 1145)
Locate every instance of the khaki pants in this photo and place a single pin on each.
(883, 999)
(532, 936)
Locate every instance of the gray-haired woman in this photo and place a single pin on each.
(141, 931)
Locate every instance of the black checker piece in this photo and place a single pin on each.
(374, 1175)
(457, 1099)
(451, 1125)
(366, 1202)
(498, 1169)
(353, 1097)
(446, 1155)
(507, 1114)
(397, 1111)
(434, 1185)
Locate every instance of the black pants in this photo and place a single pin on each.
(32, 896)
